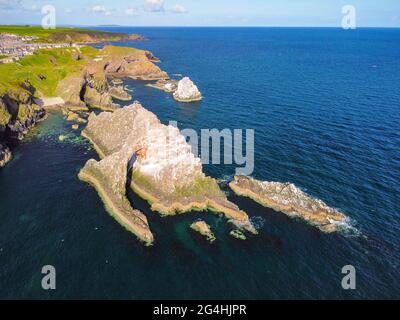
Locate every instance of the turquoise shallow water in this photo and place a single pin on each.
(324, 104)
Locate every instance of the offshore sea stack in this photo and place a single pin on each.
(187, 91)
(287, 198)
(159, 164)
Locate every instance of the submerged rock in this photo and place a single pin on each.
(287, 198)
(164, 170)
(187, 91)
(238, 234)
(204, 229)
(5, 155)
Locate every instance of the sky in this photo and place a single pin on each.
(306, 13)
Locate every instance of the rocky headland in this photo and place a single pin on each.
(204, 229)
(288, 199)
(160, 165)
(70, 79)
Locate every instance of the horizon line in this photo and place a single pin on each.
(200, 26)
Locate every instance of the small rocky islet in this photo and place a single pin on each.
(204, 229)
(135, 147)
(290, 200)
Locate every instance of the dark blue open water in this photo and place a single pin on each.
(325, 107)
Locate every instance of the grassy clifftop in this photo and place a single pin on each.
(44, 69)
(66, 34)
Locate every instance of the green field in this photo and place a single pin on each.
(43, 70)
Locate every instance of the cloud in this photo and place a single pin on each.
(18, 6)
(103, 10)
(179, 9)
(33, 8)
(10, 4)
(131, 12)
(99, 9)
(68, 11)
(110, 12)
(154, 5)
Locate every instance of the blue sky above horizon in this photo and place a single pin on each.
(310, 13)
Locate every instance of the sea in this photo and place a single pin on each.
(324, 104)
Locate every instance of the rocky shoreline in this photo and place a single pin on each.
(136, 150)
(18, 114)
(288, 199)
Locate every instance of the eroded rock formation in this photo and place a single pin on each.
(287, 198)
(164, 171)
(118, 92)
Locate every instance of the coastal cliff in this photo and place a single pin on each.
(164, 171)
(67, 34)
(76, 77)
(288, 199)
(18, 113)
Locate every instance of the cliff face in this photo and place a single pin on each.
(18, 113)
(164, 170)
(287, 198)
